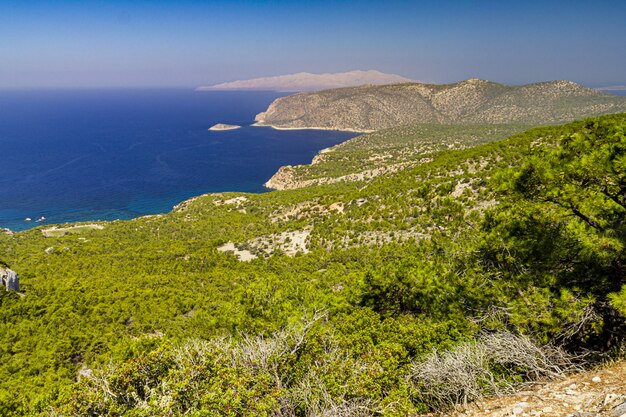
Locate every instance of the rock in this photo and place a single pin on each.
(619, 411)
(596, 379)
(222, 126)
(518, 410)
(611, 399)
(10, 279)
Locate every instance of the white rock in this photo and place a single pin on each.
(611, 399)
(519, 407)
(596, 379)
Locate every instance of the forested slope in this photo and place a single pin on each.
(390, 150)
(517, 243)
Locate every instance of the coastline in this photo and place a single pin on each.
(143, 206)
(181, 204)
(263, 124)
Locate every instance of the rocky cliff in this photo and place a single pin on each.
(370, 107)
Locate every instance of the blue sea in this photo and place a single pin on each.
(118, 154)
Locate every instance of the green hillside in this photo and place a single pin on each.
(390, 150)
(474, 101)
(331, 299)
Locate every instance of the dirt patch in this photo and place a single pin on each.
(243, 255)
(236, 201)
(62, 231)
(288, 243)
(596, 393)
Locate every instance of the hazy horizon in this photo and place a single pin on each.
(158, 44)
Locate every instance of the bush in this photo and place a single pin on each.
(493, 364)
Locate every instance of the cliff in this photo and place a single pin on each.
(475, 101)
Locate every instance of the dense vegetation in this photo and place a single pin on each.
(514, 243)
(386, 151)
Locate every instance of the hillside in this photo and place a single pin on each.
(390, 150)
(305, 81)
(499, 263)
(474, 101)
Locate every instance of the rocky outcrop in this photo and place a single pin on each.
(474, 101)
(9, 279)
(284, 179)
(223, 126)
(288, 178)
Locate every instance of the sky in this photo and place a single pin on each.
(140, 43)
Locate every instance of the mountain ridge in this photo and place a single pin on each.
(369, 108)
(306, 81)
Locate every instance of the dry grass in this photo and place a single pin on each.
(488, 366)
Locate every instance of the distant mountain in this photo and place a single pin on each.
(304, 81)
(613, 88)
(369, 108)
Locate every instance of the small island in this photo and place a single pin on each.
(222, 126)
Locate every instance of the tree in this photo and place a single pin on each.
(564, 227)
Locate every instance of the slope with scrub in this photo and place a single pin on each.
(146, 317)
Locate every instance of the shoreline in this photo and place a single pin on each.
(264, 185)
(263, 124)
(9, 231)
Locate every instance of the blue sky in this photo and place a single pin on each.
(188, 43)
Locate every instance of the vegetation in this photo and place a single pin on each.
(518, 241)
(387, 151)
(473, 101)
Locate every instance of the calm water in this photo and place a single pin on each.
(119, 154)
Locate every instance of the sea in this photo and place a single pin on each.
(85, 155)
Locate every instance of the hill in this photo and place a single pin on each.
(305, 81)
(386, 151)
(474, 101)
(498, 263)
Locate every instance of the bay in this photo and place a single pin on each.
(87, 155)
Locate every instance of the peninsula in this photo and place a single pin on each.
(367, 108)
